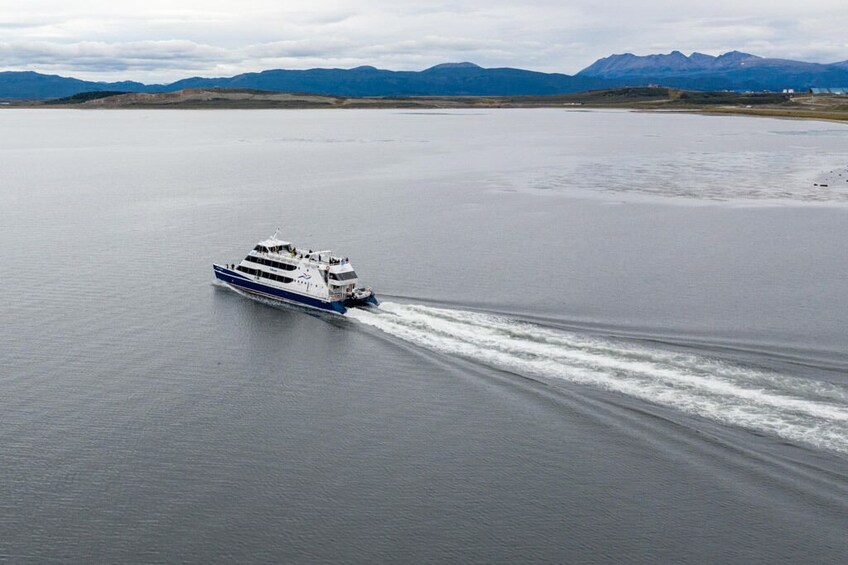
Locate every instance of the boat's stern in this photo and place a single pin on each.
(361, 297)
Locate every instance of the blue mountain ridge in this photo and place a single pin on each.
(731, 71)
(450, 79)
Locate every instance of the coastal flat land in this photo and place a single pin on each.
(642, 98)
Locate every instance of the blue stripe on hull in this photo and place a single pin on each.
(236, 279)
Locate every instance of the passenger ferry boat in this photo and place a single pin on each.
(278, 270)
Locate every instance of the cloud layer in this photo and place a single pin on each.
(159, 41)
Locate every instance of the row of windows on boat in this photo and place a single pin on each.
(270, 263)
(280, 278)
(264, 275)
(273, 249)
(349, 275)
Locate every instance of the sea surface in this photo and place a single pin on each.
(604, 336)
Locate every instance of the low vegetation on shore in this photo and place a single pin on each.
(645, 98)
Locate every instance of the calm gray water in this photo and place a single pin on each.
(605, 336)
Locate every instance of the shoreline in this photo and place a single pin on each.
(648, 99)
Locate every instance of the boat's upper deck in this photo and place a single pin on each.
(274, 248)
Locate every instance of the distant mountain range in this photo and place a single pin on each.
(731, 71)
(451, 79)
(31, 85)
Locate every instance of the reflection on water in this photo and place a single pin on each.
(775, 177)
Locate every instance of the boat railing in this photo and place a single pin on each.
(313, 259)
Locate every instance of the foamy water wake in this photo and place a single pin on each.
(796, 409)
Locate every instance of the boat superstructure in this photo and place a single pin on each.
(278, 270)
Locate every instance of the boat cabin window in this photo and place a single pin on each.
(270, 263)
(343, 276)
(273, 249)
(264, 275)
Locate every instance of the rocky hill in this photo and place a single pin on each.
(731, 71)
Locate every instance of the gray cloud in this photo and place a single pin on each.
(160, 40)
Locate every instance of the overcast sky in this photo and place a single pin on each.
(164, 40)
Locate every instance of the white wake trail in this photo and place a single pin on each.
(796, 409)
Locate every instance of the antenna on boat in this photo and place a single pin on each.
(275, 234)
